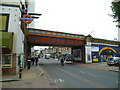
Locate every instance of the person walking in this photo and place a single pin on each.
(33, 60)
(28, 62)
(36, 60)
(62, 61)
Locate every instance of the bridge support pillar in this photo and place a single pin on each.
(80, 53)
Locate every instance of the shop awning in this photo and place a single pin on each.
(6, 41)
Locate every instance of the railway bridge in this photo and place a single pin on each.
(52, 38)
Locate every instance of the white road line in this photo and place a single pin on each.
(90, 74)
(117, 82)
(59, 80)
(82, 72)
(94, 75)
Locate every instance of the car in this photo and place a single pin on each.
(113, 61)
(69, 59)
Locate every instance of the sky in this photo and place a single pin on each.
(77, 17)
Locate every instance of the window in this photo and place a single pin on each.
(6, 60)
(49, 33)
(37, 31)
(76, 36)
(68, 35)
(80, 36)
(72, 35)
(63, 34)
(53, 33)
(5, 22)
(59, 34)
(31, 31)
(42, 32)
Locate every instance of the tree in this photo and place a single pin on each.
(116, 11)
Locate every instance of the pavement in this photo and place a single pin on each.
(37, 74)
(33, 71)
(26, 74)
(102, 66)
(35, 77)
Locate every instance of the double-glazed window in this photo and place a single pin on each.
(4, 20)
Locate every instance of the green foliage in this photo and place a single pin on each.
(116, 11)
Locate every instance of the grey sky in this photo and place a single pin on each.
(77, 16)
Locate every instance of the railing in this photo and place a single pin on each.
(57, 33)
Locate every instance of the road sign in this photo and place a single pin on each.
(27, 18)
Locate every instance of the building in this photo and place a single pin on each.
(57, 50)
(100, 49)
(13, 33)
(95, 50)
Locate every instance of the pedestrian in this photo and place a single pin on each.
(33, 60)
(36, 60)
(62, 61)
(28, 62)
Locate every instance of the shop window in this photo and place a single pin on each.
(4, 19)
(6, 60)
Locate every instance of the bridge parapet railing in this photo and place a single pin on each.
(56, 33)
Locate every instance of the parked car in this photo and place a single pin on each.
(69, 59)
(113, 61)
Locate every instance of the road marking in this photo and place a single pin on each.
(94, 75)
(82, 72)
(92, 83)
(117, 82)
(49, 77)
(59, 80)
(90, 74)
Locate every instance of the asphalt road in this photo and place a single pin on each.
(76, 76)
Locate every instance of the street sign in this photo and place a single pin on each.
(27, 18)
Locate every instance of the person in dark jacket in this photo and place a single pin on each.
(36, 60)
(62, 60)
(28, 62)
(33, 60)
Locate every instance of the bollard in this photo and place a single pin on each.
(20, 73)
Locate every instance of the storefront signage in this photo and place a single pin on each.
(95, 49)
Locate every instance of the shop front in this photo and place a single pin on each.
(101, 52)
(6, 52)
